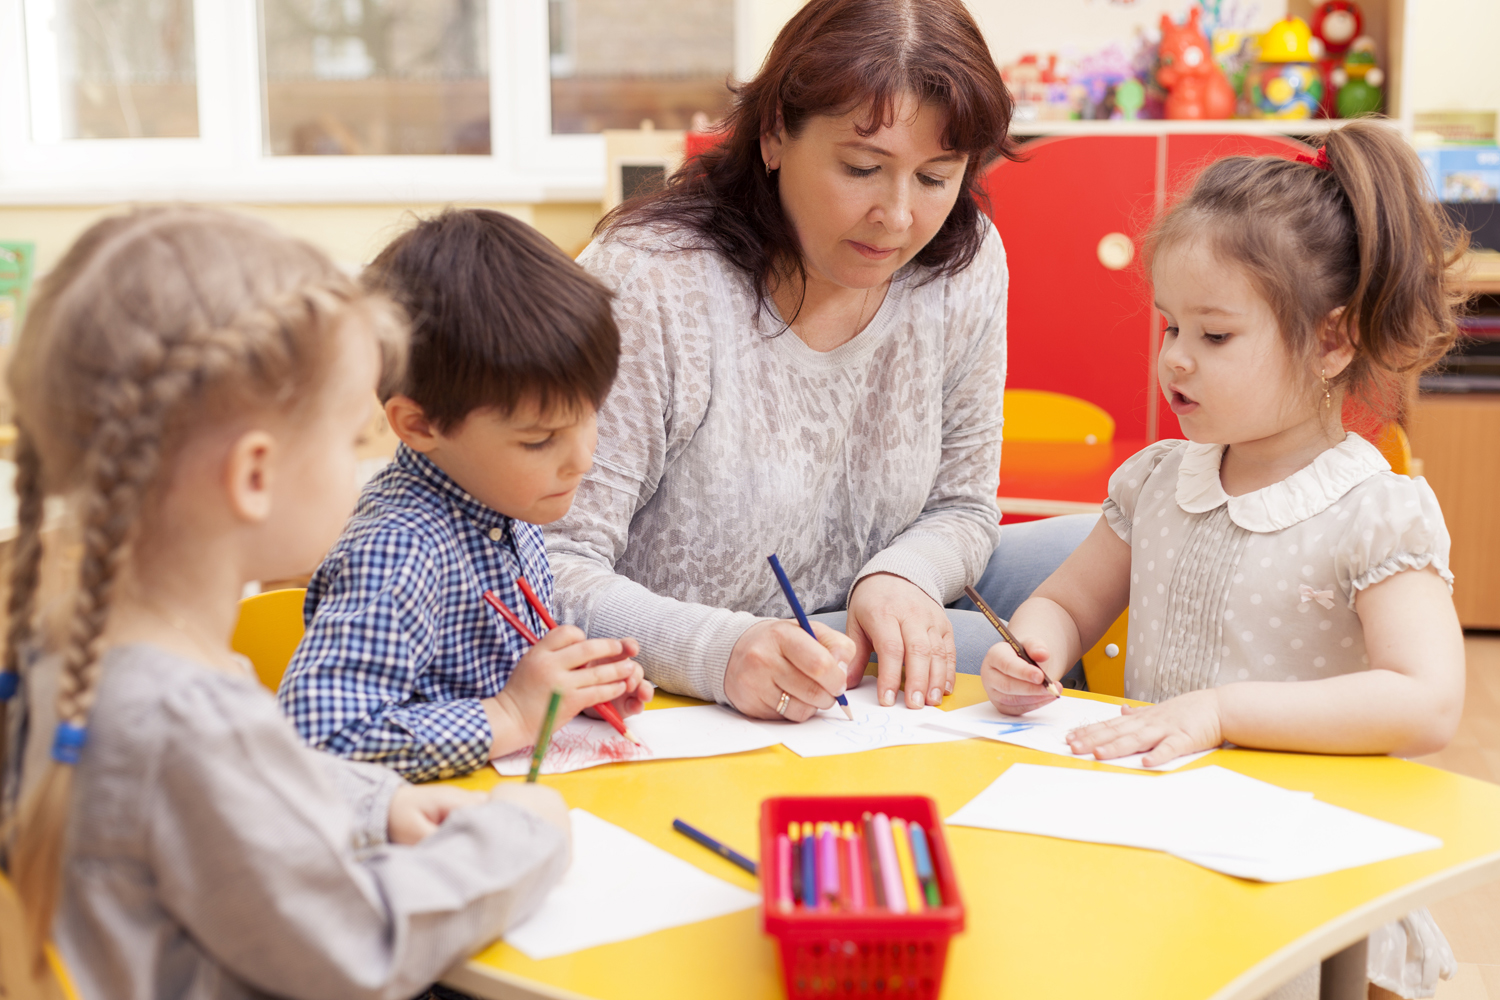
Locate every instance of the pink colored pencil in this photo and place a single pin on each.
(783, 871)
(890, 870)
(856, 866)
(829, 846)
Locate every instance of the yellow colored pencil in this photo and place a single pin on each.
(914, 901)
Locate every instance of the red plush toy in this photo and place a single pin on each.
(1195, 85)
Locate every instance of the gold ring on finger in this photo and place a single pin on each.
(781, 705)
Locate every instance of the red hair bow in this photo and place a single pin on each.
(1320, 161)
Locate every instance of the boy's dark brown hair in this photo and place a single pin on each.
(500, 316)
(1362, 233)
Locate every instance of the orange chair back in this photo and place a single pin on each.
(1036, 415)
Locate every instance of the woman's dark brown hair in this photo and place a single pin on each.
(1362, 234)
(832, 58)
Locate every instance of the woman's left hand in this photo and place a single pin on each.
(1182, 725)
(904, 628)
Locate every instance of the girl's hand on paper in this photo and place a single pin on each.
(1182, 725)
(418, 810)
(587, 672)
(1016, 687)
(775, 655)
(908, 632)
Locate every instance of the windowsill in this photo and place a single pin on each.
(211, 187)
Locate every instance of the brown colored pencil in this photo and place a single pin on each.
(1015, 644)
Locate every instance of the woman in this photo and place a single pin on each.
(812, 319)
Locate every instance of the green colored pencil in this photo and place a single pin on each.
(544, 737)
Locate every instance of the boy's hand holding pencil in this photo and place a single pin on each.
(588, 672)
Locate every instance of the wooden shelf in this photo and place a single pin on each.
(1482, 275)
(1165, 126)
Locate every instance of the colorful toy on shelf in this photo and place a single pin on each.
(1359, 80)
(1336, 24)
(1285, 81)
(1041, 91)
(1130, 96)
(1195, 85)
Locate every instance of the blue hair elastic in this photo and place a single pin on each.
(9, 682)
(68, 743)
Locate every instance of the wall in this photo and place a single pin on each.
(350, 234)
(1452, 60)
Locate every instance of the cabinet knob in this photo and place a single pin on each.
(1116, 251)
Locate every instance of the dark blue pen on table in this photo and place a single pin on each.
(722, 850)
(791, 598)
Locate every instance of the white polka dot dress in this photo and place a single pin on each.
(1260, 587)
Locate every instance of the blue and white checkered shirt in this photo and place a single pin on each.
(400, 646)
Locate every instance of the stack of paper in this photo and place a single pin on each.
(1046, 729)
(711, 731)
(874, 727)
(1210, 816)
(620, 887)
(699, 731)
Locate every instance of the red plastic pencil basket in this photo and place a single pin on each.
(872, 953)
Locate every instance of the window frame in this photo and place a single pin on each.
(228, 161)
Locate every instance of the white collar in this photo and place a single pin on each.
(1307, 492)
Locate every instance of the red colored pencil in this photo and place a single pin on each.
(606, 711)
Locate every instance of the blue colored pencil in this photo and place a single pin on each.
(791, 598)
(722, 850)
(922, 859)
(809, 868)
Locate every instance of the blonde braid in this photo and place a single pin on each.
(154, 325)
(26, 562)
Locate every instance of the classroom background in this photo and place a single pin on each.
(341, 120)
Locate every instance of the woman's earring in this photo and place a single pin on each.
(768, 168)
(1327, 393)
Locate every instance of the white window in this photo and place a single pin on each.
(343, 100)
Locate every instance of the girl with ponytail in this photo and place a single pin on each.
(1286, 589)
(194, 385)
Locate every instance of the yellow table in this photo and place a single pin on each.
(1046, 918)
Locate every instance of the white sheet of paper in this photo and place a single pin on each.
(829, 732)
(1211, 816)
(1046, 729)
(618, 888)
(699, 731)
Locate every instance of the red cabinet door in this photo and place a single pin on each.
(1074, 325)
(1186, 157)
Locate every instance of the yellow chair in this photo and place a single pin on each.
(268, 631)
(17, 981)
(1036, 415)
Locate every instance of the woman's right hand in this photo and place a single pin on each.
(776, 656)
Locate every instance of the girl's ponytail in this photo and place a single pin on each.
(1402, 312)
(1354, 229)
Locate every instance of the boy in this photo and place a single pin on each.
(513, 348)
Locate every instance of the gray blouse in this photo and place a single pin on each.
(1260, 586)
(210, 854)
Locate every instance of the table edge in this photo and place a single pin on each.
(496, 984)
(1045, 508)
(1252, 984)
(1348, 927)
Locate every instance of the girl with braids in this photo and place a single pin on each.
(196, 385)
(1286, 589)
